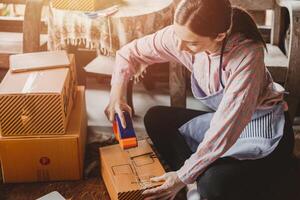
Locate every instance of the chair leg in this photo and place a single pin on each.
(129, 95)
(2, 73)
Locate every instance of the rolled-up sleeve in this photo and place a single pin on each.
(158, 47)
(233, 114)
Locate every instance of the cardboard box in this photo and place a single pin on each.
(127, 174)
(47, 158)
(35, 102)
(84, 5)
(43, 60)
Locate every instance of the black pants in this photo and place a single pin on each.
(227, 178)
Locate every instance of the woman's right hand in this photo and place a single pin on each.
(117, 104)
(117, 107)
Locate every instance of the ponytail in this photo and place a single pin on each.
(242, 22)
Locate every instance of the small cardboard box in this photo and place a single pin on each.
(84, 5)
(36, 102)
(127, 174)
(47, 158)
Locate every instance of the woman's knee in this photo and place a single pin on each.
(211, 186)
(219, 183)
(154, 116)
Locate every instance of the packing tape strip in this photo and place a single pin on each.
(29, 82)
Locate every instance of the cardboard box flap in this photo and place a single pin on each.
(38, 61)
(101, 65)
(78, 110)
(143, 150)
(45, 81)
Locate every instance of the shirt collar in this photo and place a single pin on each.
(233, 41)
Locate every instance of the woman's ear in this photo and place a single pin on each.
(220, 37)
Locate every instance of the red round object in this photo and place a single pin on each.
(44, 160)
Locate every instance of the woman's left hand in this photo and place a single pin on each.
(168, 190)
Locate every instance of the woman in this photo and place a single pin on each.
(235, 151)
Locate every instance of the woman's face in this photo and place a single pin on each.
(188, 41)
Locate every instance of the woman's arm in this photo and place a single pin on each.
(234, 113)
(155, 48)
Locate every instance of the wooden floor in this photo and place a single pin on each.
(90, 189)
(99, 134)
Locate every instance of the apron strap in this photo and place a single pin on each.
(221, 61)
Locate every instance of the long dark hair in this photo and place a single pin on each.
(211, 17)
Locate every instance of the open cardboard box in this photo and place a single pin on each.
(127, 173)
